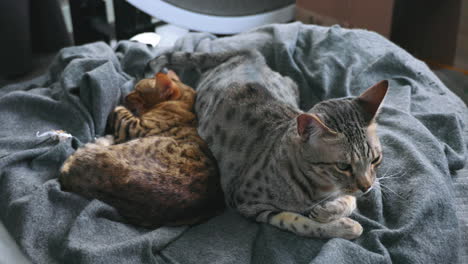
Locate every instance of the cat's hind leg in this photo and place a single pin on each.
(101, 142)
(335, 209)
(343, 228)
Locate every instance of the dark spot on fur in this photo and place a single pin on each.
(270, 195)
(157, 143)
(296, 218)
(275, 116)
(284, 152)
(248, 184)
(230, 113)
(305, 226)
(149, 176)
(233, 142)
(195, 187)
(170, 149)
(252, 122)
(177, 181)
(162, 180)
(246, 117)
(281, 223)
(257, 176)
(100, 156)
(251, 89)
(256, 159)
(217, 129)
(251, 106)
(222, 137)
(271, 167)
(262, 130)
(294, 228)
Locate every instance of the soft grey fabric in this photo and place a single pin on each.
(9, 250)
(461, 200)
(422, 128)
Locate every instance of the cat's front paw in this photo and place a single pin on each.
(346, 228)
(119, 108)
(333, 210)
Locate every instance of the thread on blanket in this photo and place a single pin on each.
(59, 135)
(53, 135)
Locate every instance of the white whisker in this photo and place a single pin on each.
(392, 191)
(392, 176)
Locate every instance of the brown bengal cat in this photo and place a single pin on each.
(155, 170)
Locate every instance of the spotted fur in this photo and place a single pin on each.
(298, 171)
(155, 170)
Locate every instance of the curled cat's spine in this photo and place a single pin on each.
(200, 61)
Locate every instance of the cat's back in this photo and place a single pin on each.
(241, 108)
(246, 69)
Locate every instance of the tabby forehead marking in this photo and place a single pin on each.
(344, 117)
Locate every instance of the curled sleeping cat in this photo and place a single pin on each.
(159, 172)
(298, 171)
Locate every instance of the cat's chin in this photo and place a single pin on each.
(358, 193)
(355, 193)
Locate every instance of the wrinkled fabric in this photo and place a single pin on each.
(422, 126)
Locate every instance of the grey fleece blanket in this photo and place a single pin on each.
(411, 220)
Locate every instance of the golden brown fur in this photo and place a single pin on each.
(159, 172)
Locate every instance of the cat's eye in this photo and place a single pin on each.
(377, 160)
(344, 166)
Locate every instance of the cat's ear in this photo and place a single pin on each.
(167, 88)
(371, 99)
(310, 124)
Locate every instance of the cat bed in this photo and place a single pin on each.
(412, 219)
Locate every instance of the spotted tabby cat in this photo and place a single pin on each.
(166, 175)
(294, 170)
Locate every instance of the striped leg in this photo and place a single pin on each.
(344, 227)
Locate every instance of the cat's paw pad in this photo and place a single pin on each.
(347, 228)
